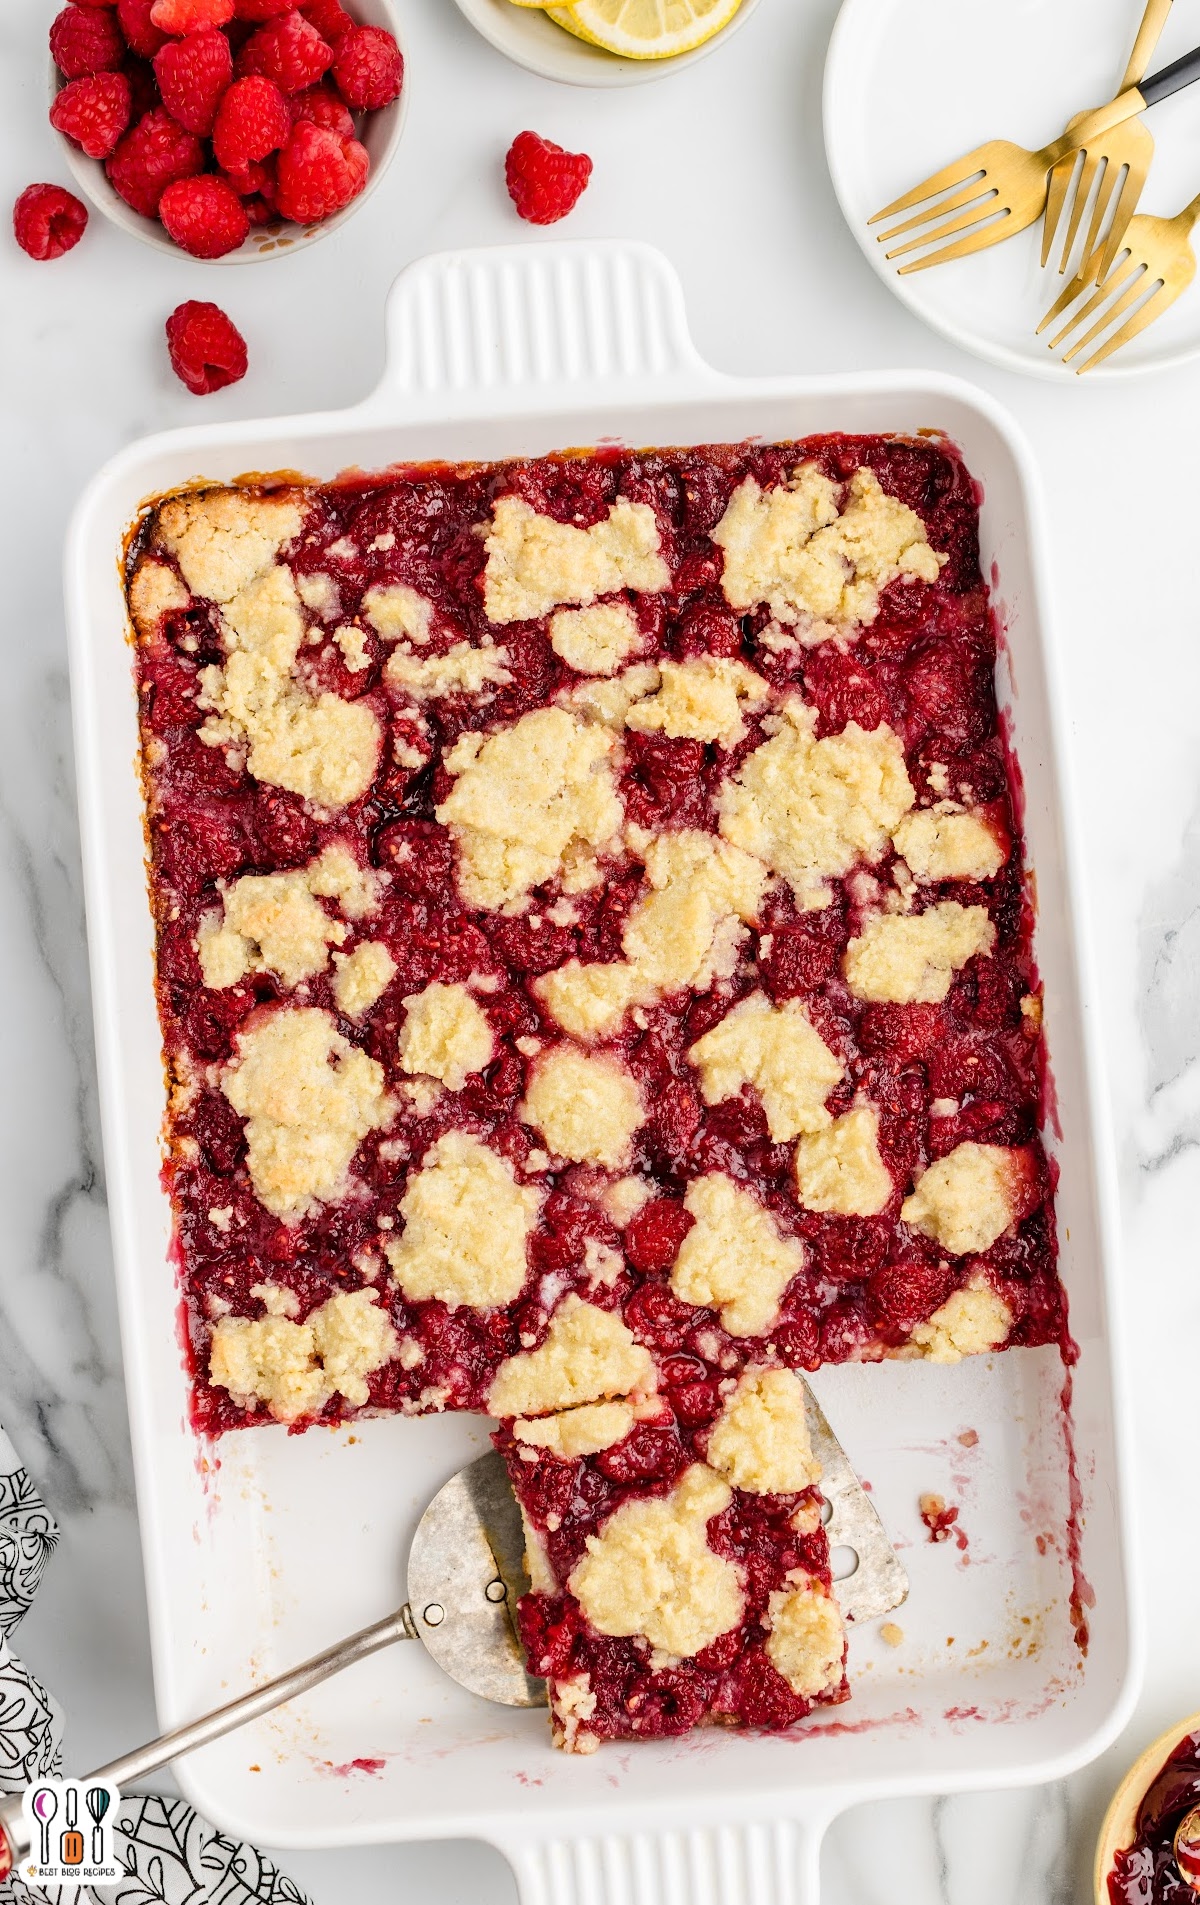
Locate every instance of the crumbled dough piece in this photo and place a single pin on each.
(154, 591)
(911, 958)
(608, 702)
(353, 644)
(968, 1198)
(813, 809)
(586, 1108)
(527, 803)
(970, 1323)
(689, 929)
(776, 1049)
(589, 1355)
(839, 1170)
(941, 843)
(295, 1368)
(583, 1431)
(362, 978)
(466, 1224)
(650, 1570)
(398, 611)
(271, 922)
(574, 1702)
(535, 564)
(590, 1001)
(538, 1566)
(223, 539)
(309, 1099)
(806, 1641)
(446, 1035)
(623, 1200)
(463, 670)
(320, 593)
(790, 548)
(760, 1440)
(595, 641)
(337, 875)
(276, 1298)
(700, 700)
(891, 1635)
(733, 1258)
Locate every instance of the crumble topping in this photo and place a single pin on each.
(690, 928)
(466, 1223)
(223, 539)
(295, 1368)
(968, 1198)
(363, 977)
(608, 702)
(790, 548)
(777, 1050)
(760, 1441)
(943, 843)
(806, 1641)
(733, 1259)
(535, 564)
(910, 959)
(589, 1002)
(574, 1704)
(542, 1578)
(839, 1170)
(446, 1035)
(595, 641)
(398, 611)
(623, 1200)
(529, 802)
(309, 1099)
(813, 809)
(650, 1570)
(584, 1431)
(353, 645)
(589, 1355)
(272, 922)
(154, 591)
(462, 670)
(586, 1108)
(970, 1323)
(320, 593)
(700, 700)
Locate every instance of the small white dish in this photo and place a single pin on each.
(380, 134)
(910, 84)
(533, 41)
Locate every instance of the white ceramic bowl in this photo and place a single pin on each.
(533, 41)
(380, 135)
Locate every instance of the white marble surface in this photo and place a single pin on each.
(722, 167)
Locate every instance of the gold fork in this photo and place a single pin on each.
(1156, 264)
(1126, 148)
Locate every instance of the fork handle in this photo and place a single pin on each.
(1182, 72)
(1149, 33)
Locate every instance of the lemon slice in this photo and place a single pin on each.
(645, 29)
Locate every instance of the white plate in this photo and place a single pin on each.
(909, 84)
(533, 41)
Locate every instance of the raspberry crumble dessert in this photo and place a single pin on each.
(594, 964)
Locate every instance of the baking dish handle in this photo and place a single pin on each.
(757, 1862)
(524, 328)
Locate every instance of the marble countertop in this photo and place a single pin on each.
(773, 282)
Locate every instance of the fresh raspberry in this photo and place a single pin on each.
(323, 108)
(329, 17)
(94, 112)
(188, 16)
(368, 68)
(204, 216)
(85, 40)
(254, 179)
(252, 120)
(151, 156)
(318, 173)
(207, 350)
(543, 181)
(95, 3)
(141, 34)
(289, 51)
(258, 10)
(193, 73)
(143, 89)
(47, 220)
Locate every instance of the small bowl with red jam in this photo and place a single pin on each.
(1147, 1852)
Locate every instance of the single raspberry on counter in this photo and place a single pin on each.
(93, 111)
(329, 17)
(204, 215)
(288, 50)
(252, 119)
(323, 108)
(318, 173)
(193, 75)
(141, 34)
(85, 40)
(543, 180)
(368, 68)
(188, 16)
(206, 348)
(151, 156)
(48, 220)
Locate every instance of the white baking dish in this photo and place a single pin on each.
(264, 1548)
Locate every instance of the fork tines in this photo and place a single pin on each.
(1128, 288)
(960, 199)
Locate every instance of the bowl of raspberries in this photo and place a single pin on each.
(229, 129)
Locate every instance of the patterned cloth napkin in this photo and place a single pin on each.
(171, 1856)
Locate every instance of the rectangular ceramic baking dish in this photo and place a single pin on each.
(262, 1549)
